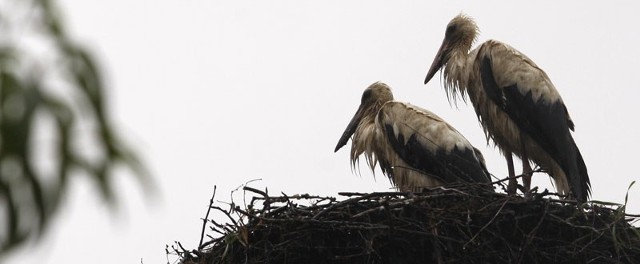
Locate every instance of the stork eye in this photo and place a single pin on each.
(450, 30)
(366, 95)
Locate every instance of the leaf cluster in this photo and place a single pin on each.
(53, 121)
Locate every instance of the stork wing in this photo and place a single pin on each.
(526, 94)
(430, 145)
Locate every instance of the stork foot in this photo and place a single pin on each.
(531, 193)
(512, 187)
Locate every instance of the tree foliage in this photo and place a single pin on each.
(54, 120)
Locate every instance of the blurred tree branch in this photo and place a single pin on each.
(46, 78)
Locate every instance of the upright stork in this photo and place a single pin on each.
(414, 147)
(516, 104)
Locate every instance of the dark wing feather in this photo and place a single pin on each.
(545, 122)
(426, 153)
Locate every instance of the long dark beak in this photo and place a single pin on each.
(438, 61)
(351, 128)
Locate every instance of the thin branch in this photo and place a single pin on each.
(206, 217)
(486, 225)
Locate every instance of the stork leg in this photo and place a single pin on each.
(512, 187)
(527, 172)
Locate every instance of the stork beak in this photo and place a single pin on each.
(351, 128)
(438, 61)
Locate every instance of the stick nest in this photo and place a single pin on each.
(443, 225)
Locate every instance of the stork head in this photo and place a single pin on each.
(460, 34)
(372, 100)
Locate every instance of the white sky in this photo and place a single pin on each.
(220, 93)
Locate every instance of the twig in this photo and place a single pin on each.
(530, 235)
(264, 194)
(206, 217)
(486, 225)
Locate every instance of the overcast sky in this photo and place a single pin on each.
(221, 93)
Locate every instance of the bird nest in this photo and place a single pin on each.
(440, 225)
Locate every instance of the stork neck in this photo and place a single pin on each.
(456, 70)
(368, 118)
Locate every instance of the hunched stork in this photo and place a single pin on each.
(414, 147)
(516, 103)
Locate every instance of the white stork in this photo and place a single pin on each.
(516, 104)
(414, 147)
